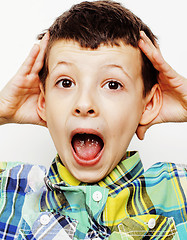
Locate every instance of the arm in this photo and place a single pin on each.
(173, 87)
(18, 99)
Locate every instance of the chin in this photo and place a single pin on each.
(89, 177)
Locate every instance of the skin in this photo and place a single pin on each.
(172, 84)
(21, 99)
(89, 103)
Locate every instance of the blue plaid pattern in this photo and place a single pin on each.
(131, 198)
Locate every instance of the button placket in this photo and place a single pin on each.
(44, 219)
(151, 223)
(97, 196)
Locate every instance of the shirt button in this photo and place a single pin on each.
(151, 223)
(44, 219)
(97, 196)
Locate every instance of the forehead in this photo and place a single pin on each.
(70, 52)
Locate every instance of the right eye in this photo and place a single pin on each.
(65, 83)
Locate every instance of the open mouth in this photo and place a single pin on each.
(87, 148)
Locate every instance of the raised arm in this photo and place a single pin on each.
(18, 99)
(173, 86)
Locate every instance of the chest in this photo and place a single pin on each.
(84, 213)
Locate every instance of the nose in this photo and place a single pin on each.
(86, 106)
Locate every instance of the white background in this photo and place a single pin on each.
(22, 20)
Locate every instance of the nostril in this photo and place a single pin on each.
(84, 112)
(91, 111)
(77, 111)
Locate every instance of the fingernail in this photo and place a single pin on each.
(46, 36)
(142, 34)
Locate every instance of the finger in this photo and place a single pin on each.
(146, 49)
(147, 40)
(147, 46)
(152, 51)
(163, 67)
(29, 61)
(155, 56)
(40, 58)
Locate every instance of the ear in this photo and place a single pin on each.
(153, 104)
(41, 104)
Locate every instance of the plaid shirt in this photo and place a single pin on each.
(127, 204)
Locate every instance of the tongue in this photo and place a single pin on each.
(87, 146)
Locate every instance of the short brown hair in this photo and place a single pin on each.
(101, 22)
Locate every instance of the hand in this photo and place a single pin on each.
(173, 87)
(18, 99)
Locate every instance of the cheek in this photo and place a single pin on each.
(56, 114)
(124, 116)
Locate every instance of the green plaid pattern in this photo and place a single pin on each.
(134, 204)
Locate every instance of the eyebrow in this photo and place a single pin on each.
(61, 63)
(112, 65)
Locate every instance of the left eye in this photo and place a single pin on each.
(113, 85)
(65, 83)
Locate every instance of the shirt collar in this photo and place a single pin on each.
(59, 178)
(129, 168)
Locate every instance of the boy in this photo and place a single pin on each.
(93, 76)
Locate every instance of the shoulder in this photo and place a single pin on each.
(27, 176)
(170, 173)
(168, 179)
(8, 165)
(167, 169)
(23, 168)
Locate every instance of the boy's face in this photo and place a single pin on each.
(93, 103)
